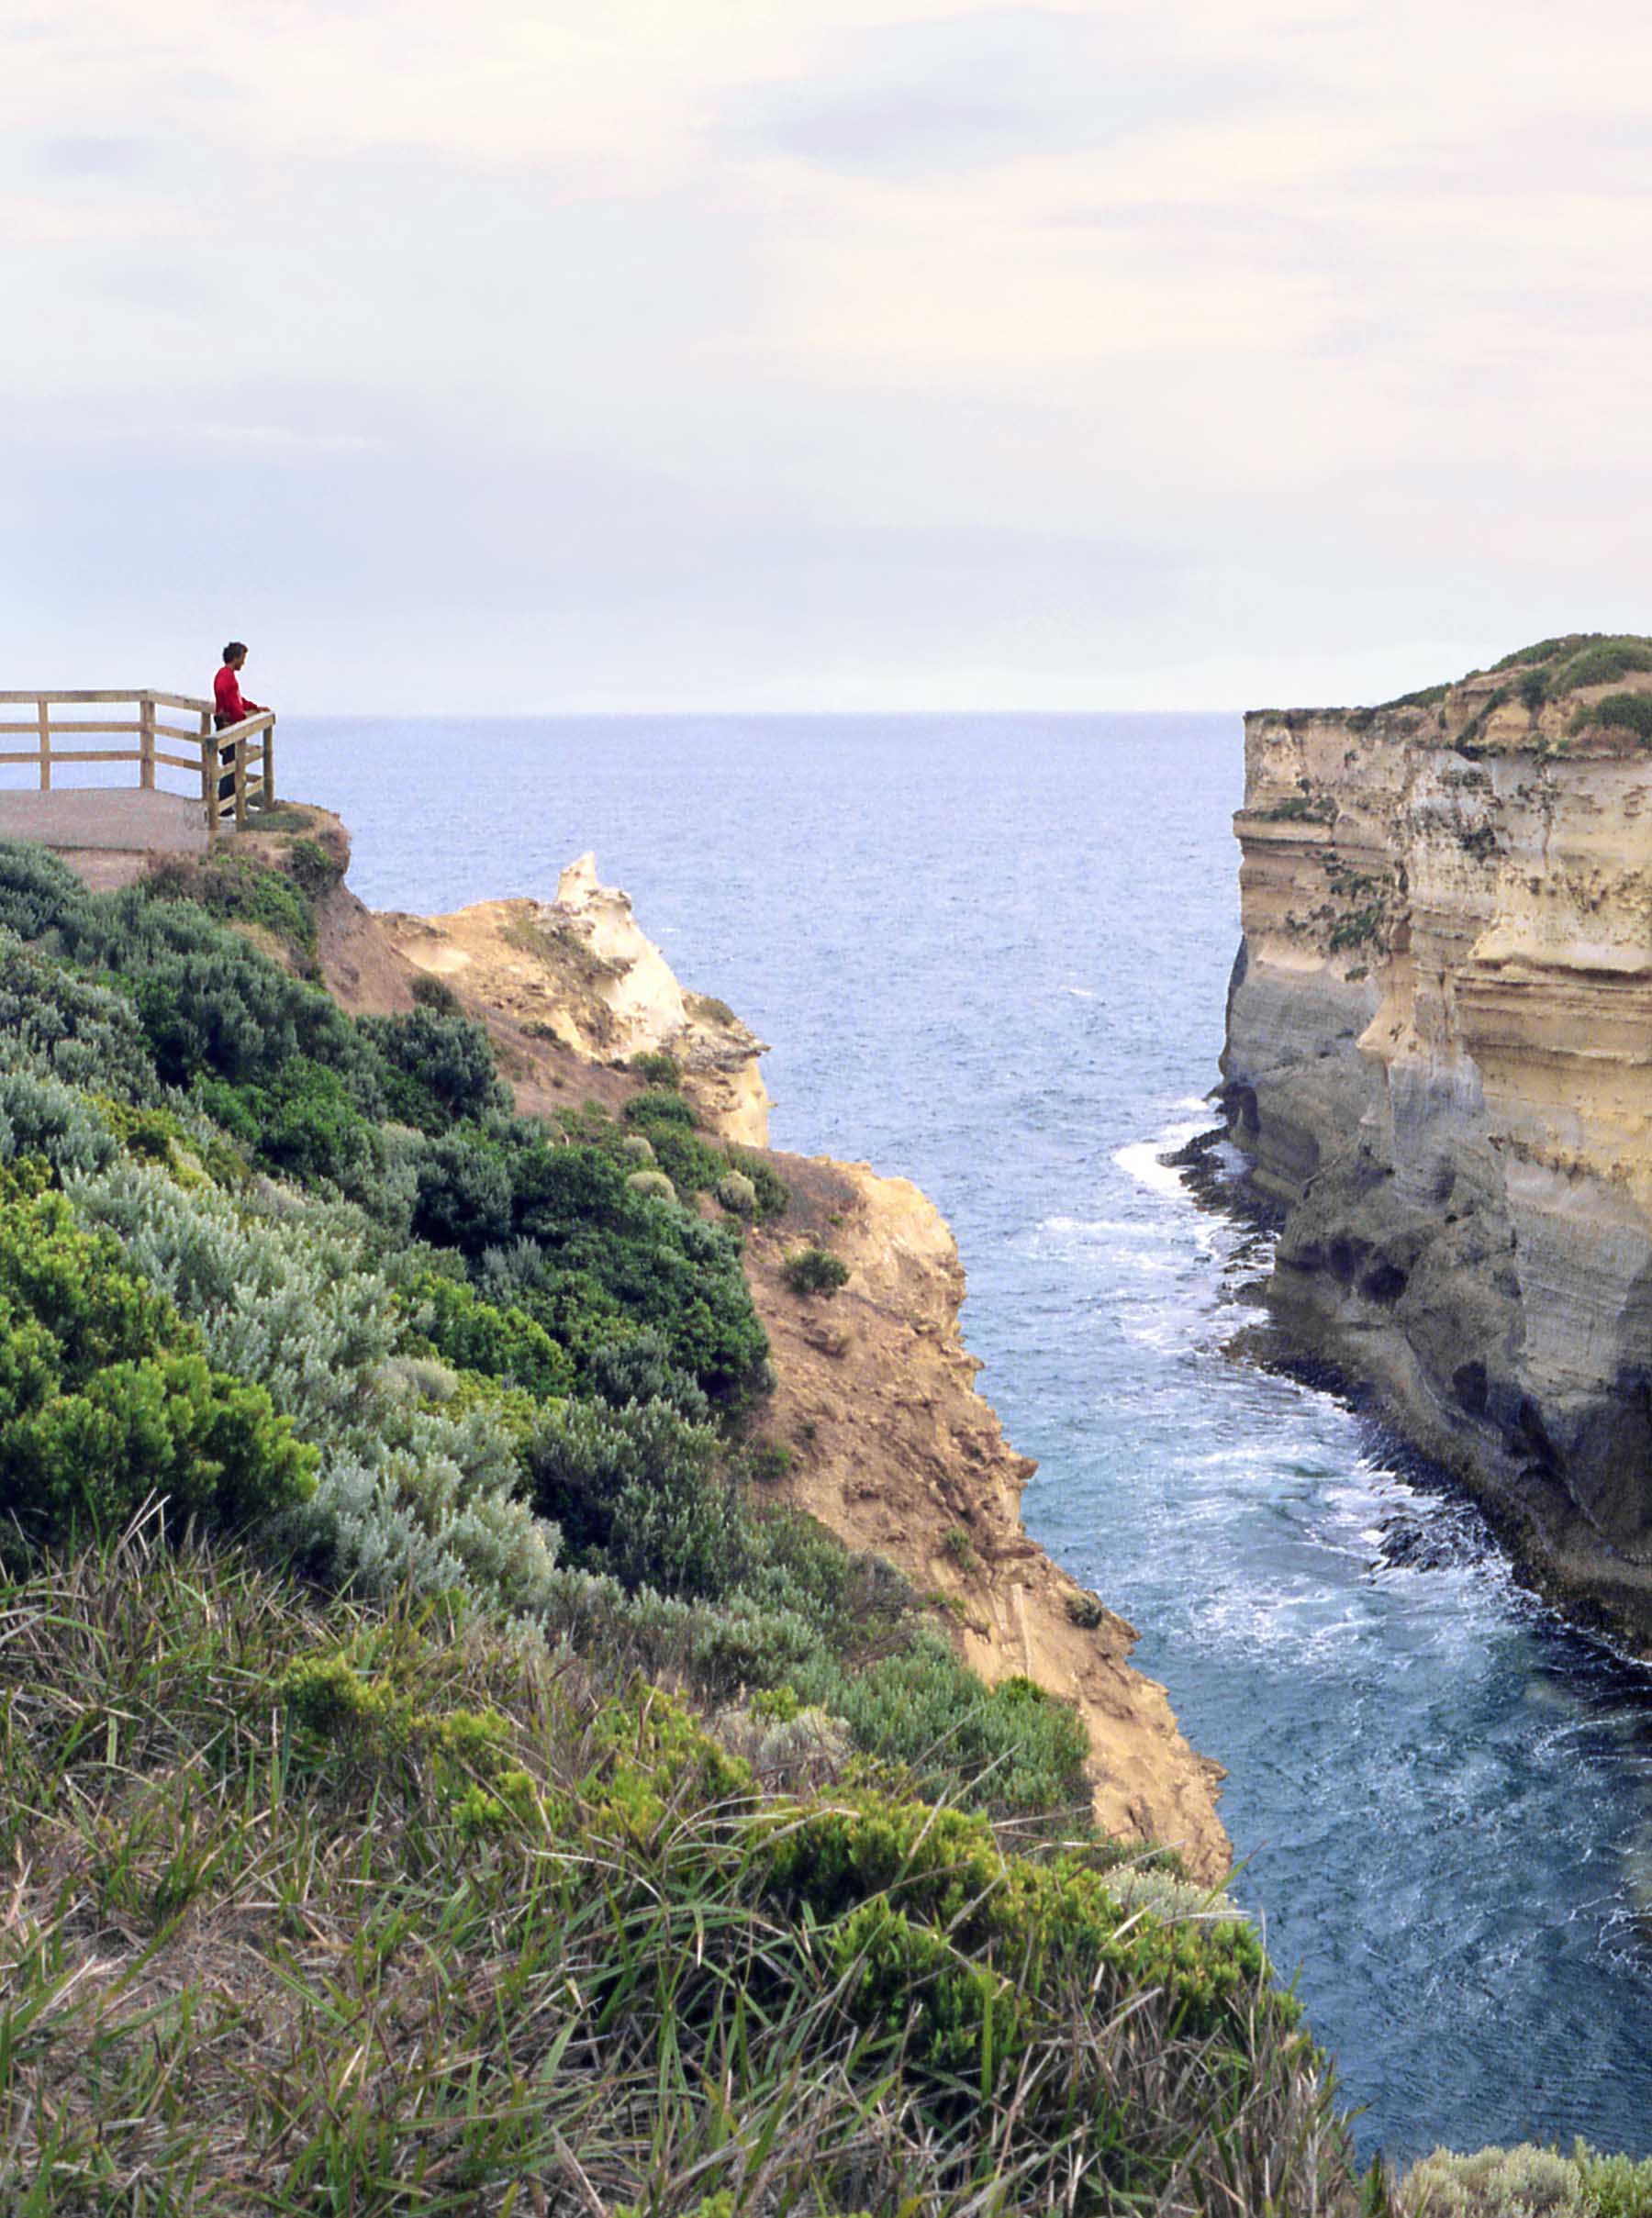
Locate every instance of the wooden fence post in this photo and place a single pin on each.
(240, 783)
(210, 775)
(44, 709)
(269, 778)
(146, 745)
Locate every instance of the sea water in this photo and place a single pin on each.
(991, 954)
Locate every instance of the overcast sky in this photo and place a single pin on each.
(819, 353)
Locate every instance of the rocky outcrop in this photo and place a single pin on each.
(1439, 1061)
(581, 970)
(875, 1426)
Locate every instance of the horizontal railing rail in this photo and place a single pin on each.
(236, 766)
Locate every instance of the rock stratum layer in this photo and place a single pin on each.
(1439, 1063)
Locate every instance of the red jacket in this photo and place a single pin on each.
(227, 696)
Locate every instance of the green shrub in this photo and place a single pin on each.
(814, 1271)
(428, 991)
(1602, 662)
(1520, 2183)
(657, 1069)
(774, 1195)
(478, 1335)
(650, 1185)
(44, 1117)
(1013, 1747)
(440, 1069)
(105, 1398)
(958, 1545)
(1007, 1926)
(1617, 712)
(636, 1148)
(237, 890)
(312, 867)
(638, 1368)
(658, 1110)
(38, 889)
(309, 1127)
(463, 1198)
(737, 1194)
(71, 1027)
(637, 1492)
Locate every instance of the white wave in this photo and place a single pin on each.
(1140, 1161)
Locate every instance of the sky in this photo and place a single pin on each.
(820, 354)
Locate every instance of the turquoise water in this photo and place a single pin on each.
(991, 954)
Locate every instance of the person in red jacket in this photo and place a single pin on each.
(228, 707)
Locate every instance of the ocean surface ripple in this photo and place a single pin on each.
(992, 954)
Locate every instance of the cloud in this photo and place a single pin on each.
(94, 155)
(853, 350)
(977, 87)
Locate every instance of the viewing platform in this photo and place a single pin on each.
(225, 776)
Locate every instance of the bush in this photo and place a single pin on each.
(312, 867)
(38, 889)
(105, 1398)
(479, 1335)
(814, 1271)
(967, 1940)
(463, 1196)
(640, 1369)
(1014, 1748)
(440, 1069)
(428, 991)
(1618, 712)
(658, 1110)
(1520, 2183)
(43, 1117)
(650, 1185)
(1602, 662)
(637, 1492)
(774, 1195)
(308, 1126)
(237, 890)
(737, 1194)
(657, 1069)
(78, 1030)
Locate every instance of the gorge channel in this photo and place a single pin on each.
(992, 953)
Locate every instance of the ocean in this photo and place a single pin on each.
(991, 954)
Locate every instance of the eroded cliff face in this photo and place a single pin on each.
(1439, 1059)
(886, 1439)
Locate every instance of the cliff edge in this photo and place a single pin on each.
(874, 1426)
(1439, 1064)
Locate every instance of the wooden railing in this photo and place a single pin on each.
(236, 766)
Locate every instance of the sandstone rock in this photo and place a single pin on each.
(1439, 1060)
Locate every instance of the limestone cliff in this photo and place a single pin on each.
(1439, 1061)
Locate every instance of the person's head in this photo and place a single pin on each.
(235, 653)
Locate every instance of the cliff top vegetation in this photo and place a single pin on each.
(1582, 684)
(434, 1778)
(431, 1779)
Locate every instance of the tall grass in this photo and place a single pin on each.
(498, 1940)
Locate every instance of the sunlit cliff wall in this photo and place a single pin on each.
(1439, 1059)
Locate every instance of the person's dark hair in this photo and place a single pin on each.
(233, 648)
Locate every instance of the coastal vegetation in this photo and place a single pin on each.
(433, 1777)
(436, 1773)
